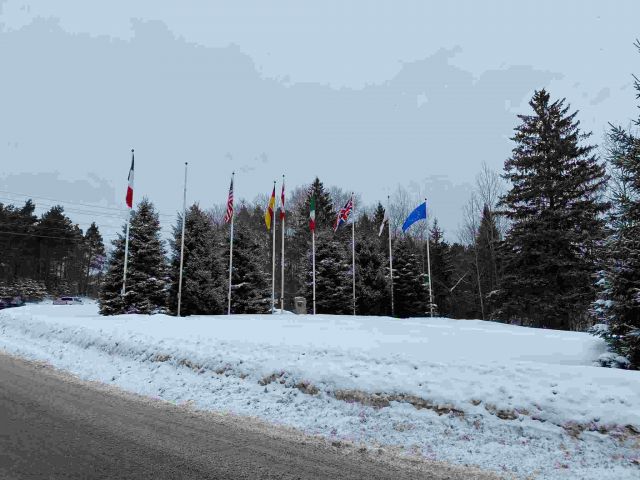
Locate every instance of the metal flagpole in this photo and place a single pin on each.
(273, 254)
(429, 266)
(282, 251)
(390, 255)
(313, 267)
(126, 254)
(184, 221)
(126, 241)
(230, 253)
(353, 250)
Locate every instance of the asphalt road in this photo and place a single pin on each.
(55, 427)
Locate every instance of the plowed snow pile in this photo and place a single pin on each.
(523, 401)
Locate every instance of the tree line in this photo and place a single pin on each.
(47, 255)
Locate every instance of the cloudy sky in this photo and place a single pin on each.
(366, 95)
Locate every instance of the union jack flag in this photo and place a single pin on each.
(229, 215)
(343, 214)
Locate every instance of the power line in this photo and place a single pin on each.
(79, 211)
(70, 239)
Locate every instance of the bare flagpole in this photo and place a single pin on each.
(126, 241)
(429, 265)
(230, 248)
(273, 254)
(390, 255)
(282, 216)
(313, 267)
(184, 221)
(312, 227)
(353, 250)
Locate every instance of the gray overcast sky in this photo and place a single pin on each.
(367, 95)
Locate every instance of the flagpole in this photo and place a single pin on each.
(230, 254)
(126, 254)
(184, 221)
(390, 256)
(313, 266)
(282, 252)
(353, 251)
(273, 255)
(429, 266)
(126, 241)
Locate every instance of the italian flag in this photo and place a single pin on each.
(312, 214)
(129, 198)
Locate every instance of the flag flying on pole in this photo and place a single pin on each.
(343, 214)
(129, 198)
(420, 213)
(268, 215)
(385, 220)
(312, 214)
(282, 213)
(229, 214)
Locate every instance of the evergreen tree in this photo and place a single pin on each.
(372, 288)
(440, 270)
(333, 275)
(410, 287)
(94, 257)
(556, 208)
(250, 285)
(110, 296)
(333, 255)
(487, 241)
(203, 283)
(618, 303)
(146, 270)
(58, 247)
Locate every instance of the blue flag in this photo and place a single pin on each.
(420, 213)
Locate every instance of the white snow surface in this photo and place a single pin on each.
(565, 417)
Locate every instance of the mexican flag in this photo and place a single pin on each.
(312, 214)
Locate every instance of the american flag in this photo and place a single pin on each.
(229, 215)
(343, 214)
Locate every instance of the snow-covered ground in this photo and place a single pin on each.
(523, 401)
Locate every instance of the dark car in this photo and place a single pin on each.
(11, 302)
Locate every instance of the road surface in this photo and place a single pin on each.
(55, 426)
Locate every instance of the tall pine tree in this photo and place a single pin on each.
(556, 211)
(618, 305)
(409, 283)
(146, 269)
(203, 283)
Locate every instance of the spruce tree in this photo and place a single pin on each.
(110, 296)
(555, 207)
(94, 257)
(440, 269)
(618, 303)
(146, 289)
(372, 289)
(250, 285)
(410, 284)
(203, 283)
(333, 275)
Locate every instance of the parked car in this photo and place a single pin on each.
(67, 301)
(11, 302)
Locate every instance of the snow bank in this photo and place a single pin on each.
(503, 397)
